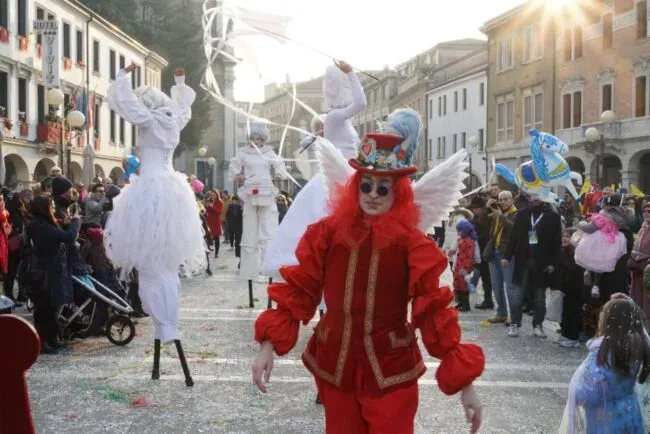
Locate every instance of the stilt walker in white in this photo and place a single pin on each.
(155, 225)
(345, 98)
(252, 166)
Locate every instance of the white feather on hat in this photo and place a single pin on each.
(258, 129)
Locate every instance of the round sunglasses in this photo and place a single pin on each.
(366, 187)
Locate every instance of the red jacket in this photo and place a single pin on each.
(5, 229)
(214, 218)
(367, 290)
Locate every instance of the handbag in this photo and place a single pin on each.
(488, 251)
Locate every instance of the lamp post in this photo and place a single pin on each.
(211, 163)
(75, 120)
(473, 143)
(593, 135)
(55, 98)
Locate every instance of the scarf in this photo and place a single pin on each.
(498, 227)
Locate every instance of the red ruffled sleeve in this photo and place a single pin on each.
(298, 297)
(438, 323)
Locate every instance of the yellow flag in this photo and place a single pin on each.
(586, 187)
(636, 191)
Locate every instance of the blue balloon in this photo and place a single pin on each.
(131, 164)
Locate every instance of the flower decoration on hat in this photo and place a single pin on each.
(384, 154)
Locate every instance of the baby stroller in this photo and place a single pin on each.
(101, 305)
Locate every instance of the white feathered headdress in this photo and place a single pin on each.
(337, 88)
(258, 129)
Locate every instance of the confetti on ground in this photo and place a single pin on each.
(206, 354)
(209, 328)
(485, 324)
(71, 415)
(139, 402)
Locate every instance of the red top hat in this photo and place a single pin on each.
(383, 154)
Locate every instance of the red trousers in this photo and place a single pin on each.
(360, 413)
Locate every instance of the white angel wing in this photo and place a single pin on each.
(439, 190)
(334, 166)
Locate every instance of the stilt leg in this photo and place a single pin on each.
(270, 302)
(181, 355)
(207, 259)
(155, 373)
(250, 294)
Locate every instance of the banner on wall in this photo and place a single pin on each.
(50, 36)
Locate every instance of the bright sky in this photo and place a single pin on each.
(366, 33)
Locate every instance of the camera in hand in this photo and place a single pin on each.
(73, 209)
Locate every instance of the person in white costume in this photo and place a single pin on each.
(345, 97)
(252, 166)
(155, 225)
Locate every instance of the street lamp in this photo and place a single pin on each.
(593, 135)
(211, 163)
(75, 120)
(473, 143)
(203, 150)
(54, 97)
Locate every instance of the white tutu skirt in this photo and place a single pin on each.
(595, 253)
(155, 225)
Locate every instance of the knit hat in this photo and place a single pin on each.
(466, 229)
(60, 185)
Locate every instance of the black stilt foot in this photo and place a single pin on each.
(186, 370)
(155, 373)
(269, 305)
(250, 294)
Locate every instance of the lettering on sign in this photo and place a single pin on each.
(50, 32)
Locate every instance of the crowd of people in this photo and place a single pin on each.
(519, 246)
(58, 226)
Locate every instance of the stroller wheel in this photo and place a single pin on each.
(120, 330)
(29, 305)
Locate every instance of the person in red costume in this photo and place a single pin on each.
(5, 230)
(370, 260)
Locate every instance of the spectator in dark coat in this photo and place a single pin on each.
(535, 245)
(481, 222)
(49, 242)
(235, 218)
(572, 286)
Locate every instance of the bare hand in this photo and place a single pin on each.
(505, 263)
(472, 406)
(343, 66)
(263, 364)
(496, 211)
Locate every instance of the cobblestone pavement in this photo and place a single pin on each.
(91, 386)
